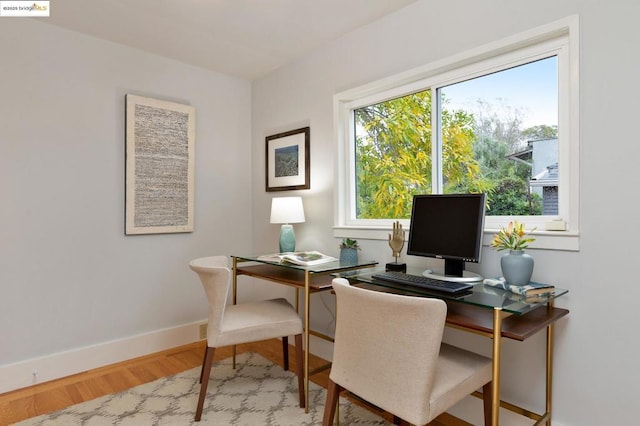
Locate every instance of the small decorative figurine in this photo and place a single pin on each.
(396, 242)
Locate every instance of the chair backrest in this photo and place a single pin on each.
(386, 347)
(215, 277)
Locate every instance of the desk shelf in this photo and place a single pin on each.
(287, 276)
(516, 327)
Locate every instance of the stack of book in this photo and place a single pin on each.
(531, 291)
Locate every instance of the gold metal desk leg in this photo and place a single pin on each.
(297, 299)
(306, 340)
(337, 420)
(234, 291)
(549, 368)
(497, 341)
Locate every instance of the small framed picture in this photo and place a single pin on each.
(287, 160)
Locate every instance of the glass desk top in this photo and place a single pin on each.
(323, 268)
(481, 295)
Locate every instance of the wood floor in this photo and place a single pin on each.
(55, 395)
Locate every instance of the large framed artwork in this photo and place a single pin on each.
(287, 160)
(159, 173)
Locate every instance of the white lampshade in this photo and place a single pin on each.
(287, 210)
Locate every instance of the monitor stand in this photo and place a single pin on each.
(467, 276)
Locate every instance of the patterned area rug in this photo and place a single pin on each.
(257, 392)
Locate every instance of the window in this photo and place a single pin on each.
(501, 120)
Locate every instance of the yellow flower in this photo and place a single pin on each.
(512, 238)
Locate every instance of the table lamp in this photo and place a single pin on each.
(287, 210)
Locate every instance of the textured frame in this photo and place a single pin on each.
(287, 160)
(159, 175)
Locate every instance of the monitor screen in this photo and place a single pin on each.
(449, 227)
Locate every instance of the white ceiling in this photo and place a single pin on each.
(244, 38)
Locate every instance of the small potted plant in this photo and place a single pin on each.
(517, 266)
(349, 251)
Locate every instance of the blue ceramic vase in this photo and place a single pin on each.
(517, 267)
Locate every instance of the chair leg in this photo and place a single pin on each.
(204, 358)
(487, 390)
(300, 370)
(204, 378)
(285, 352)
(333, 392)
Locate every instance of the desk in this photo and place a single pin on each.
(496, 314)
(311, 279)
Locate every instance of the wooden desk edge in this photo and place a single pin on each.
(517, 327)
(288, 276)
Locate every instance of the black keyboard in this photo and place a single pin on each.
(419, 281)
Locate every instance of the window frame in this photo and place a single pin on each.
(559, 38)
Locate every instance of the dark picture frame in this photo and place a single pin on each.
(160, 161)
(287, 160)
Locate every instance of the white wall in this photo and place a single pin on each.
(597, 345)
(69, 277)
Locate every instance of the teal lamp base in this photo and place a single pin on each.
(287, 239)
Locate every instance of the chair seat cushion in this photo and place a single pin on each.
(254, 321)
(459, 373)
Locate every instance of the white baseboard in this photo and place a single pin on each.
(21, 374)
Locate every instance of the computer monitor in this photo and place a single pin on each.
(448, 227)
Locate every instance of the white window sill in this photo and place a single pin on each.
(545, 240)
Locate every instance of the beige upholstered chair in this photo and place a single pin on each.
(388, 351)
(243, 323)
